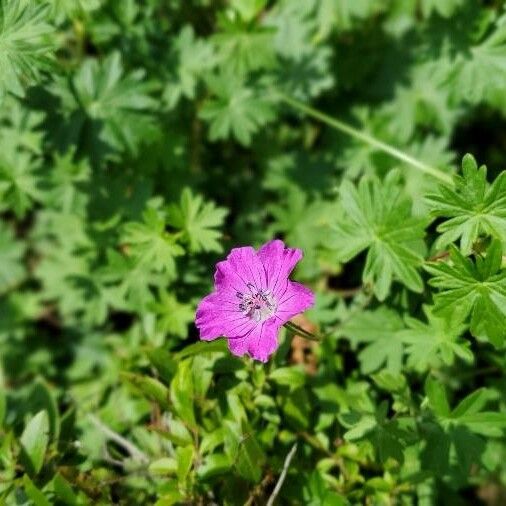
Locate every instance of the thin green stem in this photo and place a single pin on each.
(368, 139)
(295, 329)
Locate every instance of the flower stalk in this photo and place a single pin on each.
(367, 138)
(295, 329)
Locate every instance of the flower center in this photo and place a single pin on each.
(259, 305)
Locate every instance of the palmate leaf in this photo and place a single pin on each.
(468, 412)
(198, 221)
(423, 101)
(388, 436)
(150, 244)
(438, 340)
(192, 57)
(235, 110)
(241, 43)
(379, 330)
(474, 289)
(19, 180)
(25, 45)
(377, 217)
(480, 70)
(134, 280)
(106, 109)
(454, 438)
(473, 208)
(20, 147)
(173, 316)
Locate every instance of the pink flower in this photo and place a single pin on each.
(253, 298)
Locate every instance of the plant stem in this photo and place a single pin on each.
(282, 476)
(368, 139)
(134, 452)
(295, 329)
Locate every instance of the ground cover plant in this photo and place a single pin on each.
(144, 141)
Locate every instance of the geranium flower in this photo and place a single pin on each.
(253, 298)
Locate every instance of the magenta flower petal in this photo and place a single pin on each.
(296, 299)
(279, 262)
(253, 297)
(217, 317)
(260, 343)
(241, 267)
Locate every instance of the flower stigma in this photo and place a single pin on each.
(258, 305)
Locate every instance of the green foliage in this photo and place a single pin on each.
(236, 109)
(474, 207)
(25, 43)
(435, 342)
(476, 289)
(197, 221)
(377, 217)
(478, 60)
(11, 255)
(141, 141)
(34, 442)
(150, 244)
(105, 109)
(192, 56)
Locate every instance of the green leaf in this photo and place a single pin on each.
(297, 409)
(173, 316)
(387, 438)
(63, 491)
(19, 180)
(150, 387)
(12, 270)
(150, 244)
(395, 383)
(218, 345)
(248, 9)
(25, 43)
(35, 495)
(198, 221)
(244, 451)
(244, 46)
(34, 441)
(43, 398)
(293, 377)
(377, 217)
(479, 68)
(436, 395)
(192, 57)
(182, 392)
(473, 208)
(379, 330)
(163, 466)
(474, 289)
(215, 464)
(486, 423)
(164, 362)
(235, 109)
(359, 425)
(444, 8)
(105, 109)
(184, 462)
(435, 342)
(344, 14)
(473, 403)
